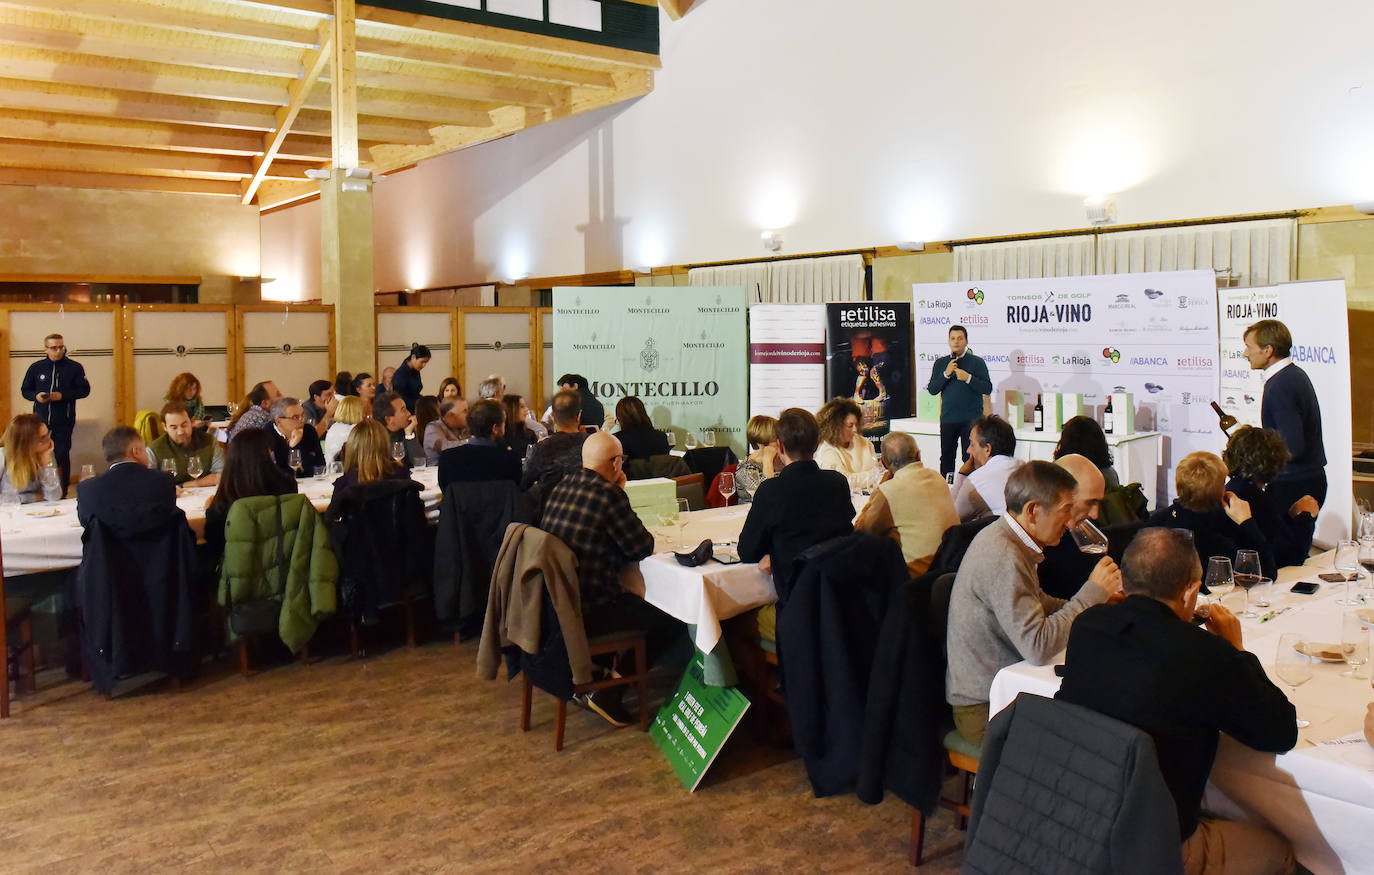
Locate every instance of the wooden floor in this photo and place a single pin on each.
(402, 762)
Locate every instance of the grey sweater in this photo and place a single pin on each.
(998, 615)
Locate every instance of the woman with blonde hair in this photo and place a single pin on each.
(367, 457)
(347, 414)
(762, 461)
(842, 448)
(29, 473)
(186, 388)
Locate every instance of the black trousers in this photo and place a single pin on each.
(62, 453)
(626, 612)
(952, 434)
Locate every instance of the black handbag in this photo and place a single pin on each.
(260, 616)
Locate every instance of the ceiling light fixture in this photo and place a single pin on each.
(1101, 209)
(912, 246)
(772, 240)
(317, 173)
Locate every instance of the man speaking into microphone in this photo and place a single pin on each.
(961, 380)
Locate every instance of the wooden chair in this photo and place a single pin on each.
(17, 617)
(963, 758)
(600, 646)
(693, 488)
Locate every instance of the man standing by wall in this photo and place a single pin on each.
(1289, 406)
(965, 389)
(54, 384)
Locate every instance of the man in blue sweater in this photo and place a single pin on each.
(1289, 406)
(961, 380)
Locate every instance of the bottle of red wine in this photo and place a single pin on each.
(1039, 414)
(1107, 418)
(1228, 421)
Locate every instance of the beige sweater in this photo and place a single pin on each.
(914, 508)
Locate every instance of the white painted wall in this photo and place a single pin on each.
(859, 124)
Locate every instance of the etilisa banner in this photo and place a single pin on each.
(680, 349)
(868, 360)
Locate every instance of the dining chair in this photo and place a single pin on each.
(693, 488)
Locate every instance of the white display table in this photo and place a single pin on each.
(1136, 457)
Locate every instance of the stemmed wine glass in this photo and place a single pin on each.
(1354, 643)
(727, 486)
(1293, 666)
(398, 451)
(169, 467)
(194, 468)
(1347, 562)
(708, 437)
(1218, 580)
(1246, 575)
(667, 519)
(672, 438)
(293, 460)
(1367, 557)
(690, 441)
(1089, 538)
(683, 508)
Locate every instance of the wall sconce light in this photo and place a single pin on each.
(912, 246)
(772, 240)
(1367, 208)
(1101, 209)
(643, 270)
(358, 173)
(352, 185)
(317, 173)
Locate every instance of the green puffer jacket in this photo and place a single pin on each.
(271, 557)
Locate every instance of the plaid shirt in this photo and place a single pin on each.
(594, 518)
(254, 417)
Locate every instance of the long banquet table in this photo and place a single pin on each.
(1320, 795)
(46, 536)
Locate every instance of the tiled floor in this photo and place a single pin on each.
(402, 762)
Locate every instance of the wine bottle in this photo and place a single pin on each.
(1228, 421)
(1107, 417)
(1039, 414)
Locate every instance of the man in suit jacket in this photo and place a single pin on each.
(482, 458)
(129, 481)
(797, 509)
(1289, 406)
(290, 433)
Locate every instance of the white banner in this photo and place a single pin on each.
(1315, 313)
(786, 357)
(1151, 334)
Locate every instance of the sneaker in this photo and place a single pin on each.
(612, 714)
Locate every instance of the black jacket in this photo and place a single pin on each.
(135, 590)
(312, 452)
(65, 376)
(1289, 406)
(125, 485)
(408, 383)
(1139, 663)
(906, 711)
(1214, 534)
(1289, 537)
(643, 442)
(828, 637)
(798, 509)
(383, 545)
(1072, 790)
(472, 522)
(476, 463)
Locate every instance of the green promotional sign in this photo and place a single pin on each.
(693, 725)
(682, 350)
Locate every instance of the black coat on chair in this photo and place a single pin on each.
(472, 523)
(382, 540)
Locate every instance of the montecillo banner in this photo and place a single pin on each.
(680, 349)
(868, 360)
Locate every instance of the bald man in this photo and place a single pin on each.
(1066, 567)
(589, 511)
(912, 505)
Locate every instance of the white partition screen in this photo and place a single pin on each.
(90, 336)
(288, 346)
(396, 331)
(170, 342)
(495, 342)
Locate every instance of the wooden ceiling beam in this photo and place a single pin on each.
(127, 134)
(40, 65)
(104, 159)
(515, 68)
(121, 182)
(162, 16)
(430, 109)
(675, 8)
(77, 35)
(420, 83)
(53, 97)
(370, 128)
(314, 61)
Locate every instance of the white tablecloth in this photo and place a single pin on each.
(1321, 794)
(46, 536)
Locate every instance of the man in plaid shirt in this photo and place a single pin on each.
(589, 511)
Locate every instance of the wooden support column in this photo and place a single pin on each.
(346, 213)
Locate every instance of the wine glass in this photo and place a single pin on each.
(319, 472)
(169, 467)
(87, 472)
(1367, 560)
(667, 519)
(1293, 665)
(708, 437)
(529, 454)
(1261, 591)
(1218, 580)
(1089, 537)
(1246, 575)
(672, 438)
(398, 450)
(193, 468)
(690, 440)
(1354, 643)
(336, 468)
(682, 510)
(293, 460)
(727, 485)
(1347, 562)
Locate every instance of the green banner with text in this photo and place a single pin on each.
(694, 724)
(682, 350)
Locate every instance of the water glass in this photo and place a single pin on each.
(1218, 579)
(1293, 665)
(1089, 537)
(319, 472)
(1354, 643)
(1261, 592)
(1347, 562)
(727, 485)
